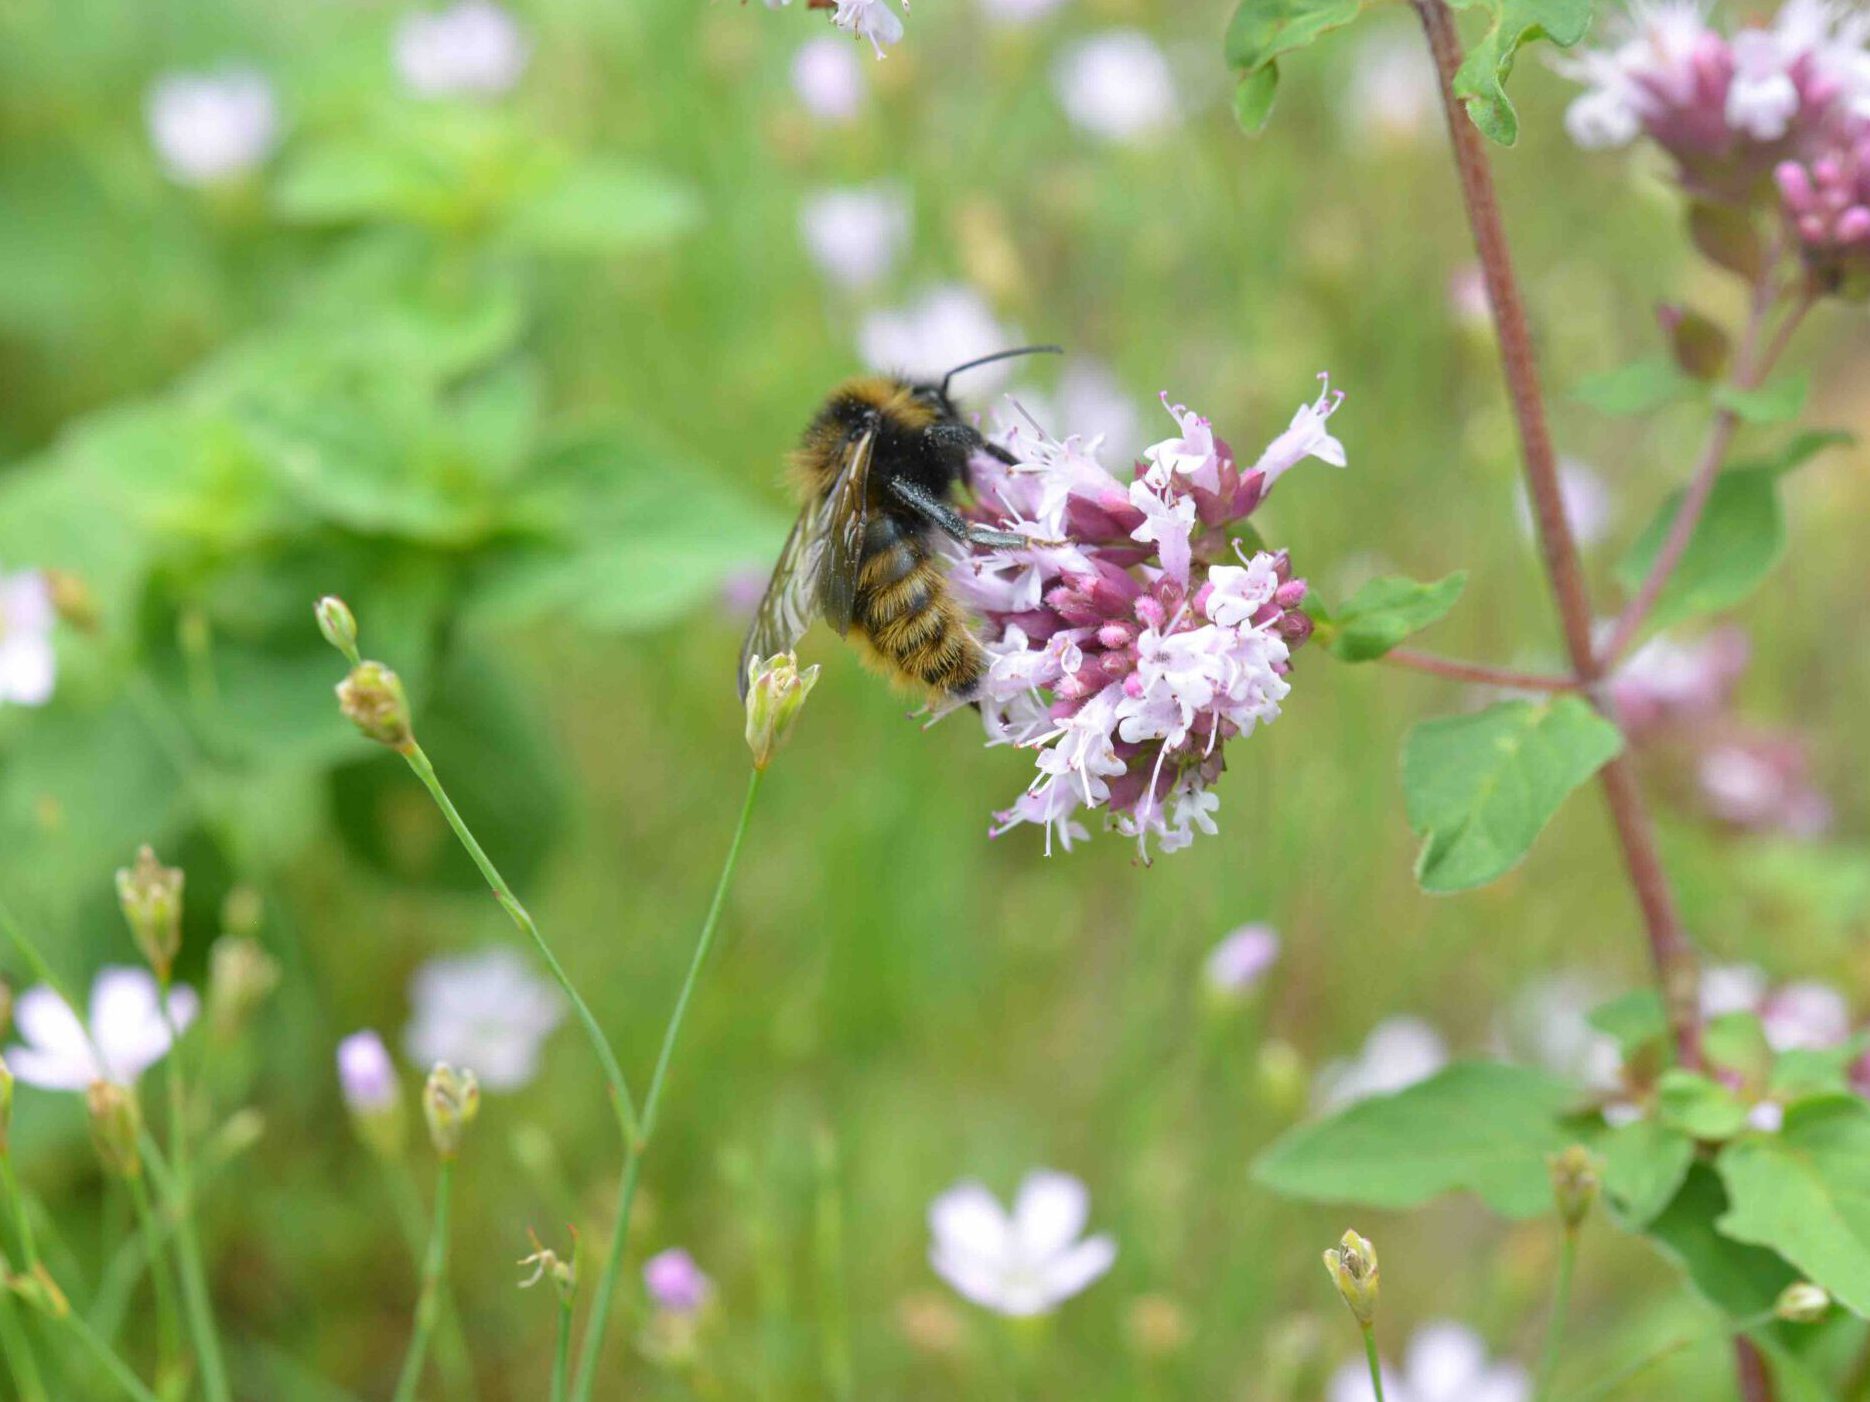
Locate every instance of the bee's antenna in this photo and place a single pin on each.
(1000, 355)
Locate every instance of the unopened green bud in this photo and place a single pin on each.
(372, 697)
(37, 1288)
(6, 1107)
(1353, 1268)
(151, 896)
(337, 623)
(1577, 1177)
(776, 692)
(116, 1124)
(450, 1101)
(240, 976)
(547, 1265)
(1801, 1303)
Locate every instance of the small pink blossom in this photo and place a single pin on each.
(1238, 963)
(675, 1283)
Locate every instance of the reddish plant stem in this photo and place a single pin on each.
(1460, 671)
(1674, 960)
(1749, 371)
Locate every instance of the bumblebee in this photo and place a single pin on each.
(876, 472)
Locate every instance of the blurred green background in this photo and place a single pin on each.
(515, 376)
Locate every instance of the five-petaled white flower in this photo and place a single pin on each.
(489, 1010)
(1444, 1362)
(27, 665)
(127, 1031)
(474, 49)
(1027, 1263)
(209, 127)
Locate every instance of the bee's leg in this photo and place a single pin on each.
(952, 523)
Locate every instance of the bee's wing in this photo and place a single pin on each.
(817, 567)
(847, 516)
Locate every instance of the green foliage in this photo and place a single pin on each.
(1736, 1278)
(1699, 1106)
(1385, 611)
(1641, 387)
(1644, 1165)
(1635, 1019)
(1777, 401)
(1480, 82)
(1479, 1127)
(1736, 544)
(1261, 31)
(1805, 1193)
(1481, 787)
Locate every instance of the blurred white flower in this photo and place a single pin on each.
(870, 19)
(489, 1010)
(1240, 961)
(855, 233)
(1392, 94)
(1672, 679)
(128, 1033)
(926, 339)
(1805, 1016)
(1018, 11)
(208, 127)
(1589, 506)
(1117, 85)
(1028, 1263)
(1761, 779)
(1731, 988)
(474, 49)
(366, 1075)
(828, 79)
(1547, 1025)
(1399, 1052)
(1444, 1362)
(1467, 297)
(27, 664)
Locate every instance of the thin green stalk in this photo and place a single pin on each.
(168, 1326)
(1376, 1364)
(195, 1298)
(120, 1372)
(451, 1351)
(561, 1354)
(19, 1355)
(613, 1073)
(428, 1302)
(1561, 1302)
(28, 1245)
(632, 1166)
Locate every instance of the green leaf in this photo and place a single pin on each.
(601, 206)
(1480, 82)
(1478, 1127)
(1262, 30)
(1635, 1019)
(1737, 1042)
(1737, 541)
(1805, 1193)
(1481, 787)
(1801, 449)
(1385, 611)
(1636, 388)
(1777, 402)
(1738, 1279)
(1644, 1165)
(1803, 1071)
(1699, 1107)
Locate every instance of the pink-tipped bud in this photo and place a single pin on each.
(1116, 635)
(1117, 664)
(1296, 627)
(1827, 170)
(1854, 225)
(1282, 565)
(1149, 609)
(1290, 594)
(1795, 186)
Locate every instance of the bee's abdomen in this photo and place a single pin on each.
(908, 617)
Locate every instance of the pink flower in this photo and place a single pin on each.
(675, 1283)
(366, 1075)
(1670, 680)
(1238, 963)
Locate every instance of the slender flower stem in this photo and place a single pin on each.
(120, 1372)
(168, 1325)
(561, 1353)
(1561, 1303)
(28, 1244)
(195, 1298)
(623, 1104)
(1457, 670)
(428, 1303)
(451, 1353)
(1376, 1363)
(17, 1347)
(1669, 949)
(1749, 370)
(652, 1102)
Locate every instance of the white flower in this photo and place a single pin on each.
(128, 1033)
(1305, 437)
(1399, 1052)
(1650, 68)
(1117, 85)
(489, 1010)
(870, 19)
(209, 127)
(1018, 11)
(27, 663)
(854, 234)
(1589, 506)
(1467, 297)
(1444, 1362)
(474, 49)
(1731, 988)
(1240, 961)
(1762, 97)
(1028, 1263)
(1392, 93)
(926, 339)
(827, 79)
(366, 1075)
(1547, 1025)
(1805, 1016)
(1193, 455)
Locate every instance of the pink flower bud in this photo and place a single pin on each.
(1290, 594)
(1116, 635)
(1854, 225)
(1795, 186)
(1297, 627)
